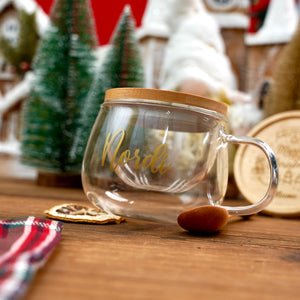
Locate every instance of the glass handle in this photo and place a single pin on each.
(257, 207)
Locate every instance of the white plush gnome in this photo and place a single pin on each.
(195, 59)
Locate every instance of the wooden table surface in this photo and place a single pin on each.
(257, 258)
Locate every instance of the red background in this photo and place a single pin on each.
(107, 13)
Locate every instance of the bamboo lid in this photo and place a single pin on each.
(251, 171)
(135, 94)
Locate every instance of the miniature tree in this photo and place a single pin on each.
(63, 71)
(122, 67)
(20, 55)
(284, 93)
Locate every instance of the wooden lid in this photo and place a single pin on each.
(166, 96)
(251, 171)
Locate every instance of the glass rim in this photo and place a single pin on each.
(135, 94)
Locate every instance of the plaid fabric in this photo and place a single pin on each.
(25, 245)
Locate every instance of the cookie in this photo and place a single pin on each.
(81, 213)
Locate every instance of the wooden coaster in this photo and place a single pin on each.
(251, 170)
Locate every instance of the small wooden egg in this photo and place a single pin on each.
(204, 219)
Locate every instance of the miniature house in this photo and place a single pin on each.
(13, 89)
(265, 45)
(9, 25)
(254, 51)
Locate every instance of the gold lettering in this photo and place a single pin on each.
(161, 168)
(105, 149)
(155, 162)
(157, 156)
(107, 146)
(125, 157)
(148, 157)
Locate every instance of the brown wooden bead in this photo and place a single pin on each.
(204, 219)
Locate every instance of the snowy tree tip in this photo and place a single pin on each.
(127, 9)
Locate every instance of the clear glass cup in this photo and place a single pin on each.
(153, 154)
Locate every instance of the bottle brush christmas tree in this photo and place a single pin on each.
(284, 92)
(63, 72)
(21, 54)
(122, 67)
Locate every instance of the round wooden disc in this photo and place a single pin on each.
(251, 170)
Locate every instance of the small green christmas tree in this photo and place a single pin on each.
(63, 71)
(284, 92)
(122, 67)
(20, 55)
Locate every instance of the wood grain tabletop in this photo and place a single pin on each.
(258, 258)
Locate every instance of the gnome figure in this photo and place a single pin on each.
(195, 59)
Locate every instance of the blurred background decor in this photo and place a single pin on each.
(21, 25)
(182, 44)
(121, 66)
(62, 74)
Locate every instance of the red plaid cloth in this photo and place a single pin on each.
(25, 245)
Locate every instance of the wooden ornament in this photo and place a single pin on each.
(251, 171)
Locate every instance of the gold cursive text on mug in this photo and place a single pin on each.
(155, 162)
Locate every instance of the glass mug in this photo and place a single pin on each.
(153, 154)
